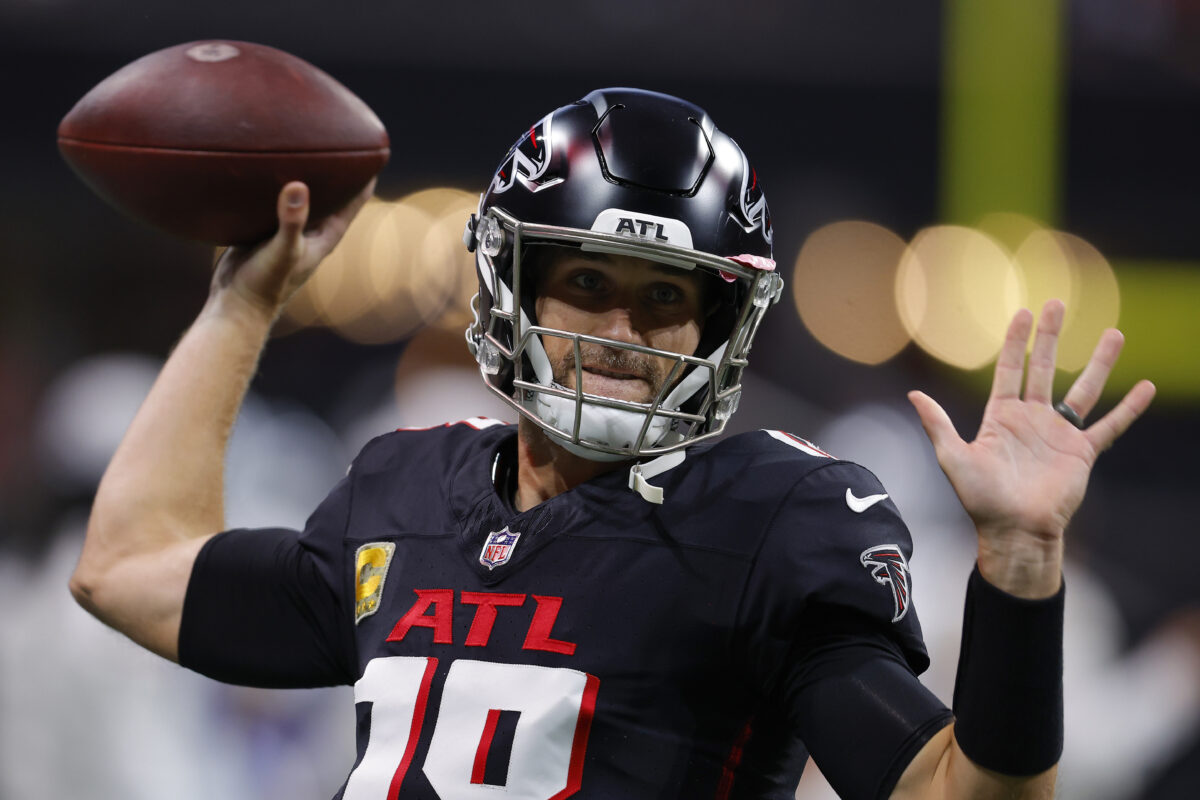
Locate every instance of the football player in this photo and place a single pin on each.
(606, 600)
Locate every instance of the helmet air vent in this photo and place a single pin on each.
(667, 153)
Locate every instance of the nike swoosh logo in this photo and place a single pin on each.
(861, 504)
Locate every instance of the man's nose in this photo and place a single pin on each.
(618, 323)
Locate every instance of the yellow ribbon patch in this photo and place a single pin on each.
(370, 571)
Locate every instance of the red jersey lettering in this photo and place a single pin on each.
(544, 618)
(485, 613)
(441, 621)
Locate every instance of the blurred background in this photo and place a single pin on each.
(930, 167)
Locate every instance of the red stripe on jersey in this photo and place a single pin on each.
(485, 745)
(802, 445)
(414, 732)
(729, 771)
(478, 423)
(806, 443)
(583, 727)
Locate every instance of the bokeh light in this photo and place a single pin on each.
(340, 290)
(437, 381)
(1009, 228)
(443, 250)
(956, 290)
(842, 286)
(84, 415)
(857, 288)
(389, 262)
(400, 266)
(1045, 270)
(1093, 301)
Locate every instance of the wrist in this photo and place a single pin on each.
(230, 304)
(1021, 564)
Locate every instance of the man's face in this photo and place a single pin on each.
(626, 299)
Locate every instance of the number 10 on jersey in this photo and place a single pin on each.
(554, 715)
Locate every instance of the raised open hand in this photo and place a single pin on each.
(1025, 474)
(267, 274)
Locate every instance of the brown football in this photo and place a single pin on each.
(199, 138)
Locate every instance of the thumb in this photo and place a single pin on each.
(284, 251)
(935, 421)
(264, 272)
(292, 210)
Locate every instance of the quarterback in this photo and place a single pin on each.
(608, 600)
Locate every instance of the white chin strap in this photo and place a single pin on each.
(617, 428)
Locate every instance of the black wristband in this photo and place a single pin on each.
(1008, 696)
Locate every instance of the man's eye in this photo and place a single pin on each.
(665, 294)
(588, 281)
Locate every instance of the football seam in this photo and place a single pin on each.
(212, 151)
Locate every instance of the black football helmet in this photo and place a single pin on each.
(637, 173)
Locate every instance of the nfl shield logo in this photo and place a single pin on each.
(498, 548)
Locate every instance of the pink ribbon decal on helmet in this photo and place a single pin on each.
(752, 261)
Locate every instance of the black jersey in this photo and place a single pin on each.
(595, 646)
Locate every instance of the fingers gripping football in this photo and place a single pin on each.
(267, 274)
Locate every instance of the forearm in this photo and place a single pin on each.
(1020, 481)
(966, 779)
(1008, 696)
(162, 495)
(1007, 736)
(941, 771)
(165, 482)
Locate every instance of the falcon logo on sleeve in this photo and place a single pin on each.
(889, 568)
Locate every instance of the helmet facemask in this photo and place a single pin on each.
(702, 389)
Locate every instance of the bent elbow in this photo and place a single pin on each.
(83, 589)
(102, 555)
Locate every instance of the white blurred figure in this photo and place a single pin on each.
(86, 713)
(1127, 714)
(436, 382)
(84, 413)
(281, 462)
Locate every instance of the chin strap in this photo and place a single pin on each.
(640, 474)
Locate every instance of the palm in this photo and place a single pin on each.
(1028, 467)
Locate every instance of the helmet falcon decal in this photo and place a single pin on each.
(527, 161)
(753, 208)
(638, 174)
(888, 567)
